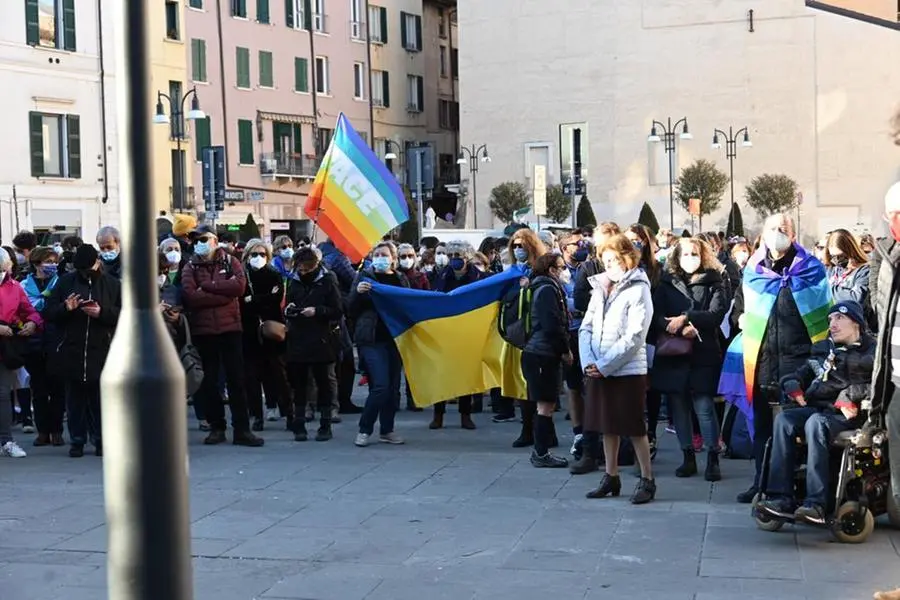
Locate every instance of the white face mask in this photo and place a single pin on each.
(441, 260)
(428, 268)
(742, 258)
(565, 277)
(257, 262)
(406, 263)
(777, 241)
(690, 264)
(173, 256)
(615, 273)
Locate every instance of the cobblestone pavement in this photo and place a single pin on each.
(451, 515)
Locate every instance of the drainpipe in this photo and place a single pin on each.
(369, 69)
(315, 99)
(453, 81)
(103, 126)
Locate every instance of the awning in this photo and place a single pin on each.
(285, 118)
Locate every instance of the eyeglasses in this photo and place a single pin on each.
(257, 254)
(203, 239)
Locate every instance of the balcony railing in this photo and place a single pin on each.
(288, 165)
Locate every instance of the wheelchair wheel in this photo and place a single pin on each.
(851, 526)
(762, 521)
(893, 510)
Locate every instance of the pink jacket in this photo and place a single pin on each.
(15, 308)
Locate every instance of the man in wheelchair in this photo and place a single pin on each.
(824, 398)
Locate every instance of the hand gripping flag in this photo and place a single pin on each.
(354, 199)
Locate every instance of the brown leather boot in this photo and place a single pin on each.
(42, 439)
(437, 422)
(466, 422)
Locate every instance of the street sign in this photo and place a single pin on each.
(579, 188)
(234, 196)
(540, 203)
(214, 178)
(694, 206)
(256, 196)
(539, 190)
(427, 177)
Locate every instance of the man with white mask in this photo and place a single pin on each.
(780, 308)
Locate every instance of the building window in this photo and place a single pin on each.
(172, 29)
(414, 85)
(411, 31)
(378, 26)
(359, 80)
(322, 81)
(239, 8)
(448, 114)
(442, 23)
(55, 145)
(262, 11)
(356, 19)
(454, 63)
(198, 60)
(381, 87)
(196, 4)
(202, 137)
(245, 142)
(242, 60)
(319, 21)
(176, 121)
(266, 75)
(443, 57)
(301, 75)
(298, 14)
(50, 23)
(324, 138)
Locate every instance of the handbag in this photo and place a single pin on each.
(274, 331)
(190, 361)
(673, 345)
(13, 349)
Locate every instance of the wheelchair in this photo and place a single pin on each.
(859, 482)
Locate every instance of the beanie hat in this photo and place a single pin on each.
(851, 310)
(183, 224)
(85, 257)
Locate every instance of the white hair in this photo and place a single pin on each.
(6, 263)
(108, 231)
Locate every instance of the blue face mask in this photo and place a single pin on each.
(457, 264)
(638, 246)
(521, 254)
(49, 269)
(109, 255)
(202, 248)
(580, 255)
(286, 253)
(381, 264)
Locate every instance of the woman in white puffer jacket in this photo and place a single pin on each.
(614, 358)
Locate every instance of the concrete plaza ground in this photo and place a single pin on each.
(452, 515)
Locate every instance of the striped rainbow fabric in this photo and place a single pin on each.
(354, 199)
(808, 282)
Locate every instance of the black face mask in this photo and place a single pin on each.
(310, 277)
(840, 261)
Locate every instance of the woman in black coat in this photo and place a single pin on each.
(313, 313)
(688, 308)
(263, 357)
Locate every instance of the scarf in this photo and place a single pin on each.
(811, 292)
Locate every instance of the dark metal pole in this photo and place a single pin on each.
(670, 152)
(143, 389)
(473, 167)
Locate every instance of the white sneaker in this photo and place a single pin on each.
(272, 414)
(362, 440)
(391, 438)
(575, 443)
(12, 450)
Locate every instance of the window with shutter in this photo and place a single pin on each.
(266, 77)
(323, 83)
(301, 75)
(245, 142)
(73, 146)
(242, 58)
(420, 93)
(198, 60)
(54, 145)
(32, 23)
(384, 24)
(262, 11)
(239, 8)
(418, 38)
(386, 88)
(307, 14)
(68, 19)
(297, 138)
(202, 137)
(289, 13)
(36, 133)
(404, 34)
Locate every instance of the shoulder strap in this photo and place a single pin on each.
(187, 330)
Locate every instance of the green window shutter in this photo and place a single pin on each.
(420, 91)
(266, 77)
(198, 60)
(73, 146)
(301, 75)
(307, 15)
(32, 23)
(386, 88)
(289, 13)
(36, 132)
(69, 25)
(242, 57)
(418, 33)
(384, 24)
(297, 138)
(202, 137)
(262, 11)
(245, 142)
(196, 4)
(403, 32)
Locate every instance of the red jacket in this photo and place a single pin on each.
(417, 279)
(212, 288)
(15, 308)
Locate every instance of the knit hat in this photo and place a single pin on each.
(85, 257)
(851, 310)
(183, 224)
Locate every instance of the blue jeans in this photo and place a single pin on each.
(681, 405)
(383, 368)
(820, 429)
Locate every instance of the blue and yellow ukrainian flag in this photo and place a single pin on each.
(449, 343)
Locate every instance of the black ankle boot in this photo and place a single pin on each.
(689, 466)
(713, 473)
(609, 486)
(644, 492)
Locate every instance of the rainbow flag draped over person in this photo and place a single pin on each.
(449, 343)
(809, 287)
(354, 199)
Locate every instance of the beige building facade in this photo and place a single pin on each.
(815, 89)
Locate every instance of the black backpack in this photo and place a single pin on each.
(514, 321)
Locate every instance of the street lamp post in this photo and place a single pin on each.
(668, 131)
(176, 109)
(390, 156)
(473, 155)
(142, 387)
(731, 139)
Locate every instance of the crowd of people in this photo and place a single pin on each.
(630, 322)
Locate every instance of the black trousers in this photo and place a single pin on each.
(223, 351)
(48, 395)
(346, 377)
(464, 403)
(83, 405)
(264, 371)
(654, 404)
(763, 427)
(326, 389)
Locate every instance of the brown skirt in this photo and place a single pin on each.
(615, 405)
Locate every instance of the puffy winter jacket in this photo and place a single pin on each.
(211, 290)
(15, 308)
(367, 325)
(314, 339)
(549, 319)
(614, 331)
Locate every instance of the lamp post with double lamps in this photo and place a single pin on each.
(731, 139)
(473, 155)
(176, 109)
(665, 132)
(391, 155)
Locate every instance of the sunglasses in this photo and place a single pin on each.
(203, 239)
(412, 256)
(257, 254)
(456, 255)
(286, 247)
(516, 246)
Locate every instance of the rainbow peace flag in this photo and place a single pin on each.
(449, 343)
(354, 199)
